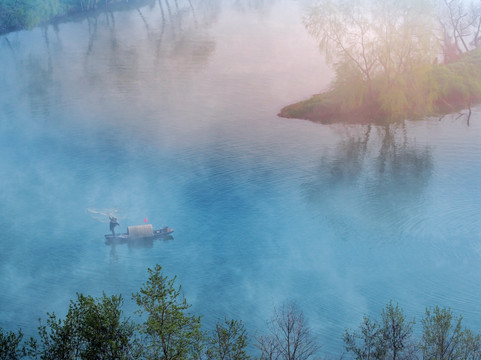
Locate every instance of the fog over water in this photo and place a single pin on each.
(168, 112)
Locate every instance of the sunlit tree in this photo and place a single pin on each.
(169, 331)
(442, 335)
(470, 348)
(444, 338)
(374, 37)
(94, 328)
(396, 333)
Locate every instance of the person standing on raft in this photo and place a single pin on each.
(113, 224)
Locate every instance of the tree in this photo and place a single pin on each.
(103, 333)
(92, 329)
(368, 343)
(475, 12)
(470, 348)
(374, 38)
(289, 336)
(442, 335)
(390, 339)
(396, 333)
(228, 341)
(169, 331)
(345, 35)
(10, 345)
(460, 22)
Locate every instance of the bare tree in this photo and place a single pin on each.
(461, 26)
(289, 336)
(475, 14)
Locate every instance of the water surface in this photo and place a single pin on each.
(168, 112)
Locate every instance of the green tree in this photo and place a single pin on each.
(13, 14)
(380, 50)
(11, 347)
(442, 335)
(396, 333)
(228, 341)
(470, 348)
(367, 343)
(92, 329)
(17, 14)
(169, 331)
(375, 37)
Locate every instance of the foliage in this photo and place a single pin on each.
(459, 83)
(349, 85)
(169, 331)
(92, 329)
(367, 343)
(376, 47)
(228, 341)
(389, 339)
(10, 345)
(396, 333)
(19, 14)
(470, 347)
(375, 37)
(384, 53)
(442, 335)
(428, 89)
(289, 336)
(27, 14)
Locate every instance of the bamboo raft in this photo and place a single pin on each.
(139, 233)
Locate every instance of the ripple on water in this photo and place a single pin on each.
(340, 218)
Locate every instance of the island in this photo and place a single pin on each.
(394, 61)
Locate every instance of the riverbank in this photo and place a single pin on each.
(15, 15)
(433, 90)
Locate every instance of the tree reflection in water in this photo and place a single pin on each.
(114, 52)
(376, 177)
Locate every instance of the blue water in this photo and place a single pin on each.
(172, 117)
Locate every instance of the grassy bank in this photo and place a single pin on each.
(428, 90)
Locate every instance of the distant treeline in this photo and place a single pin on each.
(26, 14)
(96, 328)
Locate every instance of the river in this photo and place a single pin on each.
(168, 113)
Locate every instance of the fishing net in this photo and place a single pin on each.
(103, 215)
